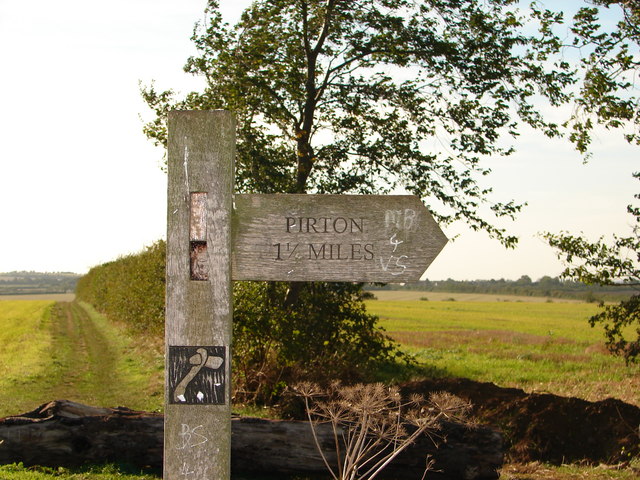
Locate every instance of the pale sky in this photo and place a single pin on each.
(81, 185)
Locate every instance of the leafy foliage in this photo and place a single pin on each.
(366, 96)
(130, 289)
(608, 96)
(608, 67)
(616, 319)
(328, 335)
(603, 263)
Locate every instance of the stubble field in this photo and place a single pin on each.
(534, 345)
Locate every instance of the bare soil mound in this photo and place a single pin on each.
(546, 427)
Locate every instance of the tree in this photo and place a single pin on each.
(524, 280)
(608, 263)
(608, 66)
(365, 96)
(609, 97)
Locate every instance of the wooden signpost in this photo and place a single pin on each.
(335, 238)
(214, 237)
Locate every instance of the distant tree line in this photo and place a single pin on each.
(553, 287)
(26, 283)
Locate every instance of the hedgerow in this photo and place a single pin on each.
(130, 289)
(325, 334)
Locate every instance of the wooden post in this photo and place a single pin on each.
(290, 237)
(197, 434)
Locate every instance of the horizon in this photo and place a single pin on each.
(423, 280)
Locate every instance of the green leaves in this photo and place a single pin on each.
(351, 97)
(327, 335)
(607, 96)
(616, 262)
(130, 289)
(609, 62)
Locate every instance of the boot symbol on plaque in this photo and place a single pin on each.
(196, 375)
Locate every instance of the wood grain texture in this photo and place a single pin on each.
(201, 152)
(349, 238)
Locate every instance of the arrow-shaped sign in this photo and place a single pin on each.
(340, 238)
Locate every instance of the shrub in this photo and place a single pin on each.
(326, 334)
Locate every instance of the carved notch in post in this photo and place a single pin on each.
(198, 236)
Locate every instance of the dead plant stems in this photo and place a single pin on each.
(372, 425)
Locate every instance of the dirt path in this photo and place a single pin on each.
(85, 361)
(95, 363)
(70, 352)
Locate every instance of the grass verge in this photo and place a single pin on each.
(541, 471)
(106, 472)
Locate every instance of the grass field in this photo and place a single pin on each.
(56, 297)
(25, 354)
(537, 346)
(67, 351)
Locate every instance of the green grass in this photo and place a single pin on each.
(108, 472)
(560, 319)
(48, 352)
(541, 471)
(546, 347)
(68, 351)
(25, 353)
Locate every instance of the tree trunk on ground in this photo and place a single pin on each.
(63, 433)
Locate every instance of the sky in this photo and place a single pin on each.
(81, 185)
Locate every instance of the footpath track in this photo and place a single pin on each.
(67, 351)
(83, 358)
(99, 364)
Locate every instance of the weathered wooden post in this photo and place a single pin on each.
(197, 436)
(339, 238)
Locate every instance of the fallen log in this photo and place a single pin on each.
(64, 433)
